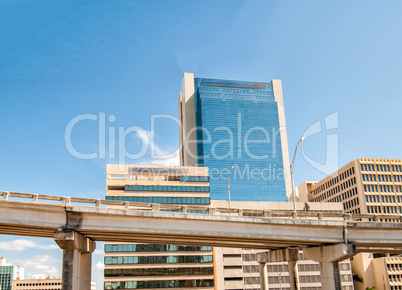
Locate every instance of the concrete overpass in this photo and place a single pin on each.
(76, 223)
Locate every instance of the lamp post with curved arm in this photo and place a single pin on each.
(291, 174)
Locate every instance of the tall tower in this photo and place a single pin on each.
(239, 124)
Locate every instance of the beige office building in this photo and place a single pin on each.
(365, 186)
(37, 284)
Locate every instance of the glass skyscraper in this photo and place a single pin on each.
(237, 128)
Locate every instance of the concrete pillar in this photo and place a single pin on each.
(77, 258)
(293, 275)
(330, 278)
(329, 257)
(291, 255)
(263, 276)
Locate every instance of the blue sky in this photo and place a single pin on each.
(62, 59)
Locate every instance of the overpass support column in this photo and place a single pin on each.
(77, 258)
(263, 276)
(329, 257)
(290, 255)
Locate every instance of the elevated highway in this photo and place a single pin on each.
(219, 227)
(77, 223)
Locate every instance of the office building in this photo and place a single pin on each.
(385, 273)
(8, 273)
(41, 283)
(144, 266)
(365, 185)
(239, 124)
(238, 269)
(37, 284)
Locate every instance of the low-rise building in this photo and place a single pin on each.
(41, 284)
(37, 284)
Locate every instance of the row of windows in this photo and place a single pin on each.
(256, 280)
(310, 279)
(351, 203)
(384, 209)
(369, 177)
(395, 278)
(277, 268)
(251, 269)
(153, 248)
(381, 167)
(308, 267)
(195, 178)
(278, 279)
(38, 284)
(337, 189)
(343, 196)
(249, 257)
(324, 196)
(382, 188)
(157, 259)
(159, 272)
(162, 199)
(159, 284)
(355, 211)
(167, 188)
(346, 278)
(381, 178)
(384, 198)
(394, 267)
(334, 180)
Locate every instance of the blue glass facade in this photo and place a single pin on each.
(238, 124)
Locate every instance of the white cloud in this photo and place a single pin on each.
(18, 245)
(50, 247)
(41, 265)
(99, 266)
(23, 244)
(99, 252)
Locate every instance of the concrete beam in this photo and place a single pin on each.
(77, 259)
(328, 254)
(329, 257)
(281, 255)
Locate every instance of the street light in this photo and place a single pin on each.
(291, 174)
(230, 172)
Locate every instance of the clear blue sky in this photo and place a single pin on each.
(61, 59)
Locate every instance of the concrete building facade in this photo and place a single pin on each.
(8, 273)
(41, 284)
(153, 266)
(239, 124)
(238, 269)
(385, 273)
(37, 284)
(365, 185)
